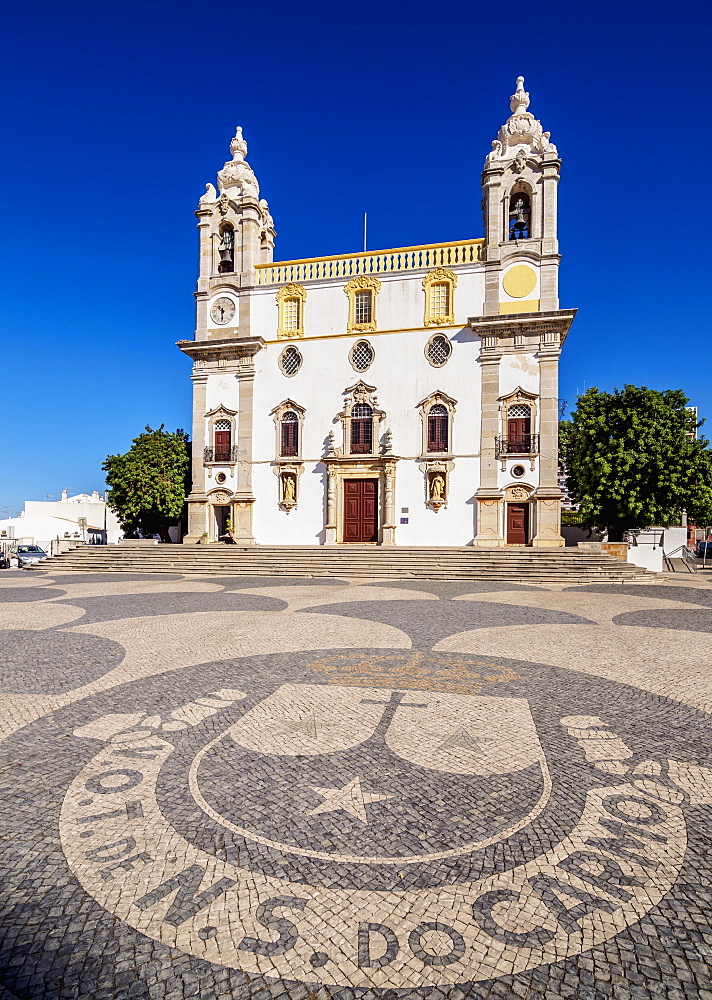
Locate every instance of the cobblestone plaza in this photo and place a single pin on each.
(307, 789)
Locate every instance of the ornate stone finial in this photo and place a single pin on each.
(238, 146)
(388, 441)
(521, 133)
(519, 101)
(237, 173)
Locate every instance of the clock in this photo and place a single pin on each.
(222, 310)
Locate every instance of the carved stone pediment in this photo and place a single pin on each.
(519, 395)
(221, 411)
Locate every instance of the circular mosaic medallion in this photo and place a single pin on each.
(381, 819)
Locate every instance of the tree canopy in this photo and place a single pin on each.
(632, 459)
(149, 483)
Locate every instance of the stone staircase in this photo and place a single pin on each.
(354, 563)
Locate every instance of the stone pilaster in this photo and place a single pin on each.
(389, 509)
(548, 494)
(197, 518)
(488, 495)
(330, 526)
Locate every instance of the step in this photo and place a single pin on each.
(358, 562)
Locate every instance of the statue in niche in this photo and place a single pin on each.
(290, 492)
(437, 488)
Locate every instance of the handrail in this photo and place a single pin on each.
(371, 262)
(687, 556)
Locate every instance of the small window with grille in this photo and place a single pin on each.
(438, 428)
(290, 434)
(361, 429)
(290, 361)
(361, 355)
(519, 410)
(438, 350)
(292, 317)
(363, 306)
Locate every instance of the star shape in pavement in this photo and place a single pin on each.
(350, 799)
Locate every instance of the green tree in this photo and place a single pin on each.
(149, 483)
(633, 459)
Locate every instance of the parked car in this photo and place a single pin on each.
(29, 554)
(702, 547)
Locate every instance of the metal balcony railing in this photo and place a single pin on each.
(220, 455)
(523, 444)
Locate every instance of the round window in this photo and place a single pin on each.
(361, 355)
(438, 350)
(290, 361)
(518, 471)
(221, 477)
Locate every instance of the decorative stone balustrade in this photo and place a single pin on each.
(375, 262)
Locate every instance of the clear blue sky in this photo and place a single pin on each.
(116, 115)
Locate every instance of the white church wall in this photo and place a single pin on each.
(222, 389)
(518, 371)
(403, 377)
(400, 304)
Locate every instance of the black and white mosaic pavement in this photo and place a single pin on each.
(259, 788)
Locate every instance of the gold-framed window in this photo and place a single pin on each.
(362, 292)
(290, 311)
(439, 287)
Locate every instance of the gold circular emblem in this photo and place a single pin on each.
(519, 281)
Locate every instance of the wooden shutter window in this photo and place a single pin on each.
(438, 428)
(223, 442)
(290, 434)
(361, 429)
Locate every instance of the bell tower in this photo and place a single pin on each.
(522, 328)
(236, 233)
(519, 187)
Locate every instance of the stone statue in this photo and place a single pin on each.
(437, 488)
(210, 194)
(289, 489)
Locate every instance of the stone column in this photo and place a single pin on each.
(389, 510)
(330, 526)
(197, 522)
(488, 495)
(548, 495)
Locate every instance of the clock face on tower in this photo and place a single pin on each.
(222, 310)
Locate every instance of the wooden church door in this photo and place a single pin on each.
(360, 510)
(517, 523)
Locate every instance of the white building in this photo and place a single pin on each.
(84, 517)
(397, 397)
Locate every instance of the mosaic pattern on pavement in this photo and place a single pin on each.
(308, 789)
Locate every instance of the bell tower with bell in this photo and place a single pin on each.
(236, 233)
(521, 327)
(519, 187)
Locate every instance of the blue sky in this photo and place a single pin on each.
(115, 116)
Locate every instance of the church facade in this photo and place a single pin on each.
(394, 397)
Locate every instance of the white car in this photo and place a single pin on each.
(29, 554)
